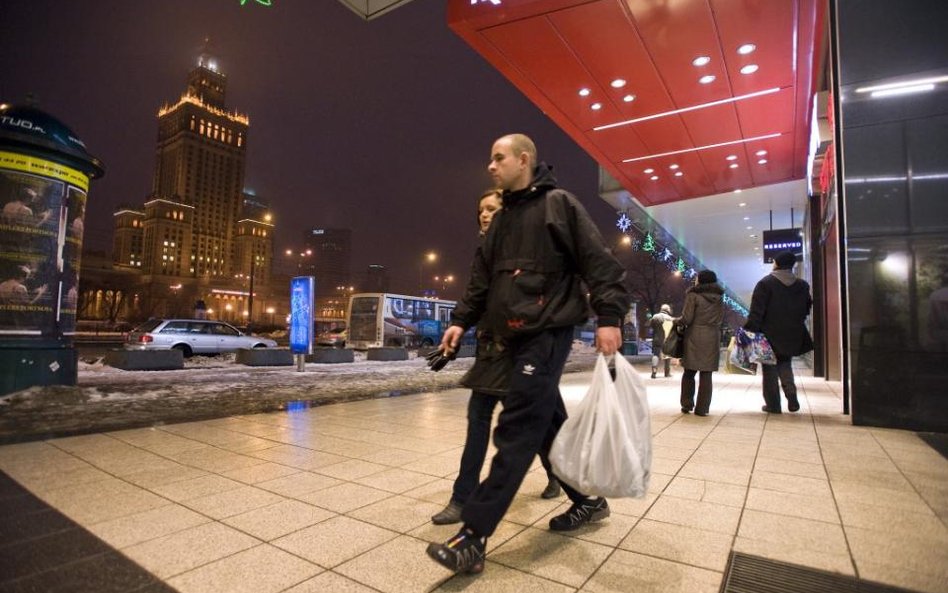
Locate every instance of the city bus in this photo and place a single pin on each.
(377, 319)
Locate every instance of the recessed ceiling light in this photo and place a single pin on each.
(756, 248)
(749, 69)
(672, 167)
(584, 92)
(696, 148)
(762, 162)
(701, 61)
(649, 171)
(731, 157)
(618, 83)
(707, 79)
(628, 98)
(753, 236)
(761, 152)
(654, 177)
(596, 106)
(737, 191)
(747, 48)
(679, 174)
(733, 165)
(747, 218)
(749, 227)
(742, 204)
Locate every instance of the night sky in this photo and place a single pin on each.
(383, 127)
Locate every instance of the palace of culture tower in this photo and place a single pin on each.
(199, 235)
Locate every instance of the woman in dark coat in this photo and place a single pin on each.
(701, 317)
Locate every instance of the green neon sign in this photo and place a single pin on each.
(264, 2)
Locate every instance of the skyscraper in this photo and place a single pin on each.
(198, 232)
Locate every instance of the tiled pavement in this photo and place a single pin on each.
(338, 498)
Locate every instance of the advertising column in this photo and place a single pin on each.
(44, 180)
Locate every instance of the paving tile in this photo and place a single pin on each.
(261, 569)
(566, 560)
(714, 492)
(344, 497)
(260, 473)
(298, 484)
(334, 541)
(233, 502)
(185, 550)
(397, 566)
(102, 500)
(395, 480)
(820, 508)
(923, 582)
(154, 478)
(351, 469)
(298, 457)
(699, 515)
(203, 485)
(901, 551)
(627, 571)
(790, 484)
(838, 562)
(397, 513)
(793, 532)
(133, 529)
(500, 579)
(330, 582)
(276, 520)
(790, 467)
(715, 473)
(696, 547)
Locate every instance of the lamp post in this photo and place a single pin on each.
(429, 257)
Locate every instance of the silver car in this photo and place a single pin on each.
(192, 336)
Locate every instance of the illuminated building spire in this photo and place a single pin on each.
(206, 82)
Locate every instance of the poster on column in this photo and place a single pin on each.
(42, 205)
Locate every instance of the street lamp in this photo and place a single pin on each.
(430, 257)
(299, 257)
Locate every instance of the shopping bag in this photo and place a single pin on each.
(674, 344)
(756, 346)
(736, 360)
(605, 447)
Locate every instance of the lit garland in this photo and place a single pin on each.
(666, 256)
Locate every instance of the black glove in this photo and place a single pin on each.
(437, 359)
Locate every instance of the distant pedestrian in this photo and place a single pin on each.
(489, 379)
(541, 256)
(661, 323)
(779, 307)
(701, 317)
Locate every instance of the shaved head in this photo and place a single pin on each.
(521, 143)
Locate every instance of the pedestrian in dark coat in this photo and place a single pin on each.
(779, 307)
(701, 317)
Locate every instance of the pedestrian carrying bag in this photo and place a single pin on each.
(605, 447)
(674, 345)
(756, 347)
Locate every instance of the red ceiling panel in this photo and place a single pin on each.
(766, 114)
(540, 54)
(769, 26)
(709, 125)
(662, 135)
(675, 33)
(609, 46)
(618, 143)
(551, 48)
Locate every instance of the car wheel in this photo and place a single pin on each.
(259, 346)
(184, 348)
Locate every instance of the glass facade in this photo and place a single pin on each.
(893, 82)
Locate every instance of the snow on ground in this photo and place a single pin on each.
(107, 398)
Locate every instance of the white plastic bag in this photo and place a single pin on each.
(605, 447)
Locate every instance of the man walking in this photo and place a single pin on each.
(527, 286)
(779, 307)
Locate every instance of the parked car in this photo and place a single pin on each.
(192, 336)
(334, 337)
